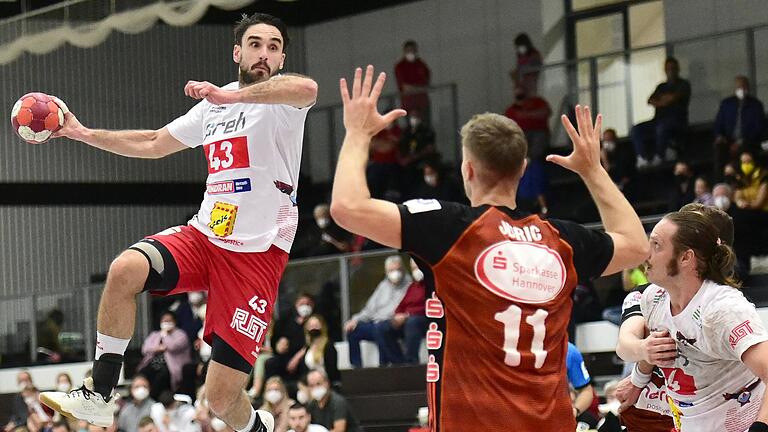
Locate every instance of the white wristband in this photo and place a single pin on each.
(639, 379)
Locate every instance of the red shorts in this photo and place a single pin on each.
(242, 286)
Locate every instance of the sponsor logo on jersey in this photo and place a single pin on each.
(228, 186)
(433, 370)
(218, 108)
(415, 206)
(226, 126)
(248, 324)
(684, 340)
(521, 271)
(696, 316)
(223, 218)
(286, 189)
(434, 337)
(633, 299)
(679, 382)
(434, 307)
(739, 332)
(658, 297)
(742, 396)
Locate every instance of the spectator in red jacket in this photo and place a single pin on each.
(408, 324)
(531, 113)
(413, 77)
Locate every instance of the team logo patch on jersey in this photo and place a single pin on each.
(422, 205)
(739, 332)
(632, 299)
(223, 219)
(521, 271)
(286, 189)
(229, 186)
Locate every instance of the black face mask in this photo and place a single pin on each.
(314, 333)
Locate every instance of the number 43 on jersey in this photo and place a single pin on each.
(227, 154)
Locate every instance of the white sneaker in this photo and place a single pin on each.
(267, 420)
(83, 404)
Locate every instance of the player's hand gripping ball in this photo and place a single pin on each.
(35, 116)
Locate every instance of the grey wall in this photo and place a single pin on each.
(688, 18)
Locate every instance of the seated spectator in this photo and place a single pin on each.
(684, 189)
(722, 196)
(300, 420)
(319, 351)
(383, 164)
(277, 402)
(137, 407)
(528, 64)
(409, 322)
(532, 191)
(38, 415)
(670, 99)
(147, 425)
(174, 413)
(750, 217)
(333, 239)
(413, 78)
(288, 339)
(165, 352)
(328, 408)
(371, 322)
(188, 313)
(437, 185)
(740, 125)
(60, 426)
(302, 391)
(618, 159)
(417, 145)
(18, 409)
(585, 403)
(531, 113)
(702, 191)
(48, 348)
(259, 367)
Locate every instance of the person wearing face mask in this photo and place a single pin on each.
(437, 184)
(531, 113)
(319, 351)
(333, 240)
(328, 408)
(684, 190)
(373, 320)
(165, 352)
(618, 158)
(750, 212)
(528, 64)
(409, 322)
(277, 402)
(288, 339)
(413, 79)
(740, 124)
(417, 145)
(18, 409)
(137, 407)
(722, 196)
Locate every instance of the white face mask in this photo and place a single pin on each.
(395, 276)
(29, 400)
(140, 393)
(430, 179)
(301, 397)
(195, 298)
(273, 396)
(740, 93)
(23, 385)
(201, 311)
(418, 275)
(304, 310)
(609, 145)
(319, 393)
(322, 223)
(218, 424)
(205, 352)
(522, 50)
(167, 326)
(722, 202)
(411, 57)
(63, 387)
(414, 122)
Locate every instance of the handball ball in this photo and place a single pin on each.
(35, 116)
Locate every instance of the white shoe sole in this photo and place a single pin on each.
(98, 421)
(267, 419)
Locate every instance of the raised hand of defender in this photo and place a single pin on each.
(361, 114)
(585, 157)
(211, 92)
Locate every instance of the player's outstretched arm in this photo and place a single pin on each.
(756, 359)
(351, 204)
(149, 144)
(290, 89)
(630, 243)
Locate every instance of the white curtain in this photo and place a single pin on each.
(181, 13)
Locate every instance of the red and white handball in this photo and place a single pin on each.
(35, 116)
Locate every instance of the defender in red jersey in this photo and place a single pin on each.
(499, 280)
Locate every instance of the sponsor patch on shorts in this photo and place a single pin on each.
(229, 186)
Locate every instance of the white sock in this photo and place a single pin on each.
(251, 422)
(108, 344)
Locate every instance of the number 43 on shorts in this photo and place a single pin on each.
(257, 304)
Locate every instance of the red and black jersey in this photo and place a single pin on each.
(499, 301)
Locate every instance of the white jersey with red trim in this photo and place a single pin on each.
(254, 156)
(709, 388)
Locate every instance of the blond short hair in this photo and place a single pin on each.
(497, 143)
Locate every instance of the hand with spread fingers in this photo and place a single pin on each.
(361, 115)
(584, 160)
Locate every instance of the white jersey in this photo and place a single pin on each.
(254, 155)
(709, 388)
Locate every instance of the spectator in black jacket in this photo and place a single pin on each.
(288, 339)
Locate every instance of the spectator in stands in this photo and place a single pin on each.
(300, 420)
(373, 320)
(328, 408)
(188, 314)
(531, 113)
(147, 425)
(750, 217)
(383, 164)
(740, 125)
(333, 239)
(48, 346)
(670, 99)
(319, 351)
(409, 323)
(528, 65)
(684, 188)
(702, 191)
(288, 339)
(585, 403)
(417, 145)
(413, 79)
(18, 410)
(532, 190)
(38, 416)
(618, 158)
(259, 368)
(60, 426)
(437, 185)
(165, 352)
(722, 196)
(63, 382)
(137, 407)
(277, 402)
(174, 413)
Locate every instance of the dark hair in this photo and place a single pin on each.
(298, 405)
(146, 420)
(714, 260)
(410, 44)
(171, 313)
(305, 294)
(260, 18)
(522, 39)
(723, 221)
(61, 423)
(673, 61)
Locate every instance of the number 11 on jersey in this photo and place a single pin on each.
(511, 319)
